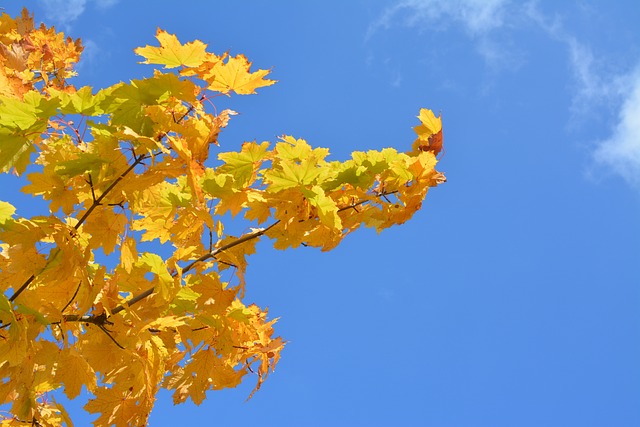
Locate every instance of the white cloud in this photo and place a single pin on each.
(104, 4)
(597, 86)
(477, 16)
(63, 12)
(479, 19)
(621, 151)
(593, 85)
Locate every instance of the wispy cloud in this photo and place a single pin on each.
(105, 4)
(592, 84)
(479, 19)
(597, 87)
(63, 12)
(477, 16)
(621, 151)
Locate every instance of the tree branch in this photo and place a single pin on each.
(96, 202)
(211, 254)
(193, 263)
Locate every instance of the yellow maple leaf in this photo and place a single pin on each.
(105, 227)
(234, 75)
(172, 53)
(6, 211)
(429, 132)
(116, 407)
(74, 371)
(128, 254)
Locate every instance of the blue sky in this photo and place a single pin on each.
(513, 297)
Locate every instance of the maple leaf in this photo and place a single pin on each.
(115, 406)
(105, 228)
(81, 101)
(171, 53)
(234, 75)
(74, 372)
(156, 265)
(429, 132)
(244, 165)
(327, 208)
(6, 211)
(292, 174)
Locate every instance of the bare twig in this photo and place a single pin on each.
(93, 193)
(103, 329)
(72, 298)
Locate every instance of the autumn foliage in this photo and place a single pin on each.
(140, 162)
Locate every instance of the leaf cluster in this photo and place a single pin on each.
(130, 164)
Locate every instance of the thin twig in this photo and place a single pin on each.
(103, 329)
(72, 298)
(96, 202)
(22, 288)
(193, 263)
(93, 193)
(138, 159)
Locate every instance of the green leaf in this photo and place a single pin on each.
(185, 300)
(218, 185)
(16, 114)
(243, 165)
(240, 314)
(298, 150)
(39, 317)
(6, 211)
(15, 151)
(157, 266)
(86, 162)
(327, 209)
(292, 175)
(172, 53)
(81, 102)
(5, 305)
(127, 102)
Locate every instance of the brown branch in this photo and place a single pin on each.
(103, 329)
(96, 202)
(207, 256)
(72, 298)
(22, 288)
(189, 111)
(193, 263)
(229, 245)
(362, 202)
(93, 193)
(100, 319)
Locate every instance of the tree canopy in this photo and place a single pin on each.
(140, 162)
